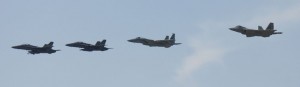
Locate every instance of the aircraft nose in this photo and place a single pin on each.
(233, 29)
(131, 40)
(68, 44)
(16, 47)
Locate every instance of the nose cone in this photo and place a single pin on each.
(15, 47)
(131, 40)
(69, 45)
(234, 29)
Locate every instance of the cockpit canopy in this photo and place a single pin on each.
(239, 27)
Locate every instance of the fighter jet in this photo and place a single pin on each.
(99, 46)
(253, 32)
(167, 42)
(47, 48)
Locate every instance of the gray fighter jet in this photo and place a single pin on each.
(167, 42)
(47, 48)
(99, 46)
(253, 32)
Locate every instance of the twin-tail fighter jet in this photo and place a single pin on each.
(47, 48)
(99, 46)
(167, 42)
(253, 32)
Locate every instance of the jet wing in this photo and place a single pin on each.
(162, 42)
(79, 44)
(148, 41)
(26, 47)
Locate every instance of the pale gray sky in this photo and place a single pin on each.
(211, 55)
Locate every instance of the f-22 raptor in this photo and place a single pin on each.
(99, 46)
(167, 42)
(47, 48)
(260, 32)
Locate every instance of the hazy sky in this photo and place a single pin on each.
(211, 55)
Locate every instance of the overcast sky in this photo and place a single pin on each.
(211, 55)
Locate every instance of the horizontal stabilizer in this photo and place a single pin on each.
(277, 33)
(57, 50)
(177, 43)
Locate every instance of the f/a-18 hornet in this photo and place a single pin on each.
(167, 42)
(99, 46)
(260, 32)
(47, 48)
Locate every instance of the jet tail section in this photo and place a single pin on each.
(102, 43)
(270, 26)
(260, 28)
(177, 43)
(50, 45)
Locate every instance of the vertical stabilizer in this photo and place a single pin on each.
(167, 38)
(172, 37)
(260, 28)
(98, 43)
(51, 43)
(270, 26)
(103, 42)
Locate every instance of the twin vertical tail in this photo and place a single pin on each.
(102, 43)
(50, 45)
